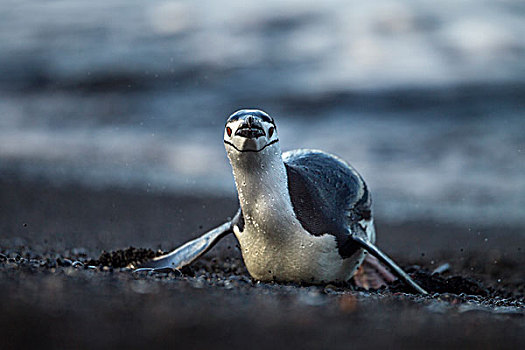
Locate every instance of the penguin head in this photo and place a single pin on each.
(249, 130)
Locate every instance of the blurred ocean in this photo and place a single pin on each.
(426, 99)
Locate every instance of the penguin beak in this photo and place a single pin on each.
(251, 129)
(250, 132)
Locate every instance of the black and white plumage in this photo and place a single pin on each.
(305, 215)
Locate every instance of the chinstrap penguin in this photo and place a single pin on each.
(305, 215)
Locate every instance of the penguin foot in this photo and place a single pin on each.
(372, 274)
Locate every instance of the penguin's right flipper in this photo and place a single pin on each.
(190, 251)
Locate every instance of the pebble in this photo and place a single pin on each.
(77, 264)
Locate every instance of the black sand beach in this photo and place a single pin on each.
(478, 303)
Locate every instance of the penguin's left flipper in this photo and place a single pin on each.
(372, 274)
(364, 243)
(190, 251)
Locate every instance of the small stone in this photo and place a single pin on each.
(77, 264)
(330, 289)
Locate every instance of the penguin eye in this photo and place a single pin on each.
(270, 131)
(229, 131)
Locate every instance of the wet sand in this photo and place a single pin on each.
(47, 302)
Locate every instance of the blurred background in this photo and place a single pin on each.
(426, 99)
(111, 135)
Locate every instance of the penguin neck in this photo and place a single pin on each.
(262, 183)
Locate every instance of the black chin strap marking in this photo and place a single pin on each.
(247, 150)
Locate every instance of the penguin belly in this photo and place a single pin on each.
(295, 257)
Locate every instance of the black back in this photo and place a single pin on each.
(328, 197)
